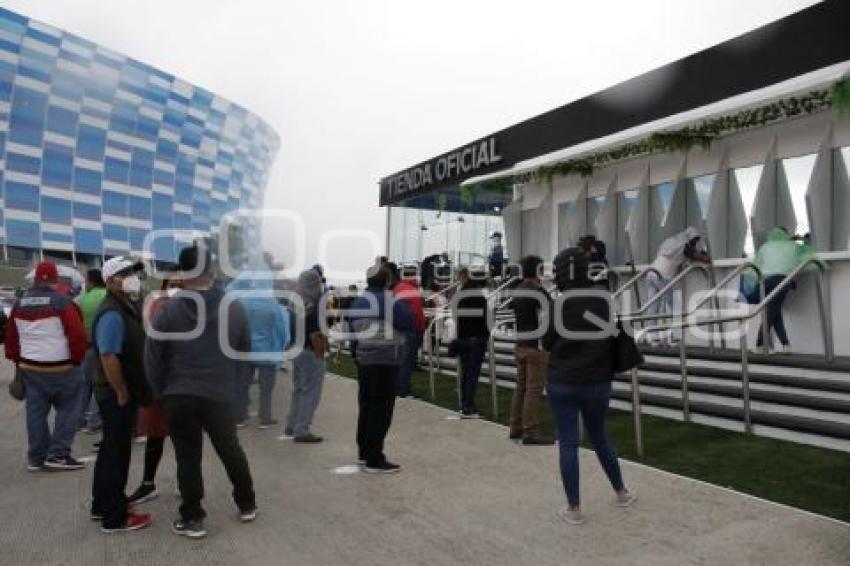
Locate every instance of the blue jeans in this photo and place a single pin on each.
(773, 310)
(61, 391)
(413, 342)
(308, 375)
(88, 404)
(591, 400)
(471, 357)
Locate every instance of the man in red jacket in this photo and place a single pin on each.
(407, 289)
(46, 339)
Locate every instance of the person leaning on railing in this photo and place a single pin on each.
(580, 374)
(776, 258)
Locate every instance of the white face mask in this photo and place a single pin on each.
(171, 291)
(131, 285)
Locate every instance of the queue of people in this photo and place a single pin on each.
(103, 348)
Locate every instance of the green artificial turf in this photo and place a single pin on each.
(807, 477)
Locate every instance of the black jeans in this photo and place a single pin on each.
(113, 461)
(376, 398)
(188, 416)
(472, 352)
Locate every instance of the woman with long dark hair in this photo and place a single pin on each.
(580, 374)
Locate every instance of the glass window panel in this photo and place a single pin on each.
(115, 232)
(626, 202)
(747, 179)
(27, 116)
(62, 120)
(594, 209)
(56, 237)
(23, 163)
(662, 199)
(56, 210)
(86, 211)
(88, 241)
(702, 191)
(114, 203)
(566, 219)
(23, 233)
(798, 172)
(116, 170)
(58, 166)
(21, 196)
(87, 181)
(91, 142)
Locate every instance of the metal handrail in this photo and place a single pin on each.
(669, 286)
(438, 315)
(826, 330)
(711, 294)
(491, 358)
(633, 282)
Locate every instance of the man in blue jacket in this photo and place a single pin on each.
(379, 323)
(269, 323)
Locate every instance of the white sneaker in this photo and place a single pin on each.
(571, 516)
(626, 499)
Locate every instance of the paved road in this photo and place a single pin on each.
(466, 496)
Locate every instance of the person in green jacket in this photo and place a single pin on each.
(777, 257)
(89, 303)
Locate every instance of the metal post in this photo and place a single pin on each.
(432, 347)
(494, 390)
(765, 331)
(636, 412)
(459, 380)
(825, 314)
(745, 383)
(683, 361)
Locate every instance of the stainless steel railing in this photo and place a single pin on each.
(826, 330)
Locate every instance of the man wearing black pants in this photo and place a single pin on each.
(189, 416)
(376, 399)
(379, 323)
(119, 387)
(196, 381)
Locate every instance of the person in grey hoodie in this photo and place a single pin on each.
(195, 379)
(308, 367)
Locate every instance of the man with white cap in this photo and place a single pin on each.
(120, 386)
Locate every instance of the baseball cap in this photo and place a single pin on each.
(46, 271)
(193, 258)
(117, 264)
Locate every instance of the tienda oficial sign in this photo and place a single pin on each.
(450, 166)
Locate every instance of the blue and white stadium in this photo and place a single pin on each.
(98, 149)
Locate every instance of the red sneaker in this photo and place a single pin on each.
(133, 522)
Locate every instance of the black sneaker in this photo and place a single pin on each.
(470, 414)
(145, 492)
(63, 463)
(248, 515)
(309, 438)
(382, 468)
(515, 436)
(190, 529)
(538, 441)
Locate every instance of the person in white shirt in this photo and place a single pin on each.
(672, 254)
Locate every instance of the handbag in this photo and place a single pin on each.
(626, 354)
(17, 389)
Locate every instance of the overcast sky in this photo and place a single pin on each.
(361, 89)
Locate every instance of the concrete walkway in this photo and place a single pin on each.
(466, 496)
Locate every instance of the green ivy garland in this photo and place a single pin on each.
(701, 135)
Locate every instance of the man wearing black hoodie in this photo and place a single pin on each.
(196, 379)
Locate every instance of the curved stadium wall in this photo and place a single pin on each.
(98, 149)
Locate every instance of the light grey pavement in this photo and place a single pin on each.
(466, 496)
